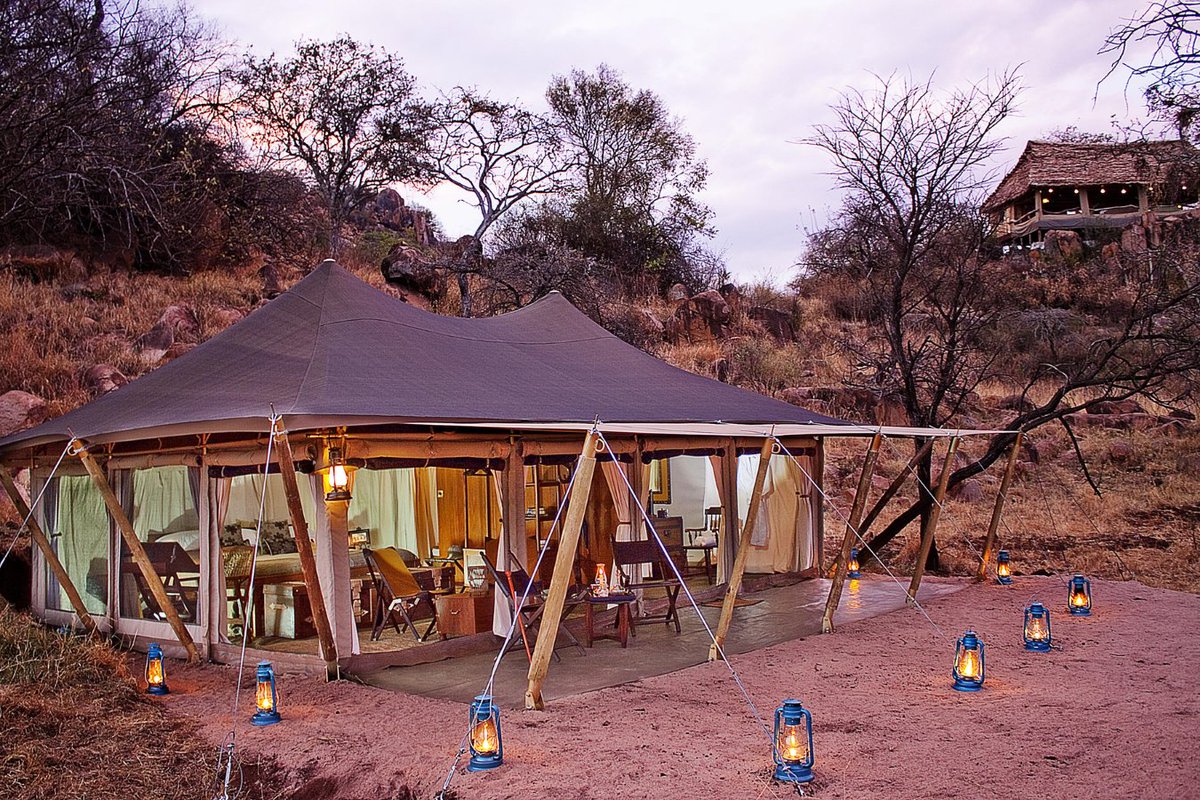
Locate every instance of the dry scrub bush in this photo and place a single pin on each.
(76, 725)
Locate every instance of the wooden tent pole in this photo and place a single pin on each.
(892, 489)
(841, 564)
(40, 539)
(308, 562)
(564, 569)
(1002, 495)
(743, 551)
(136, 552)
(934, 515)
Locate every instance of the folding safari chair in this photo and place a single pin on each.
(628, 557)
(401, 601)
(529, 617)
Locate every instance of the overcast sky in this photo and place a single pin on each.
(748, 78)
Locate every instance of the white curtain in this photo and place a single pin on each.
(81, 521)
(501, 610)
(385, 503)
(622, 503)
(783, 538)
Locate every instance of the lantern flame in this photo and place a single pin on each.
(484, 739)
(1036, 629)
(338, 479)
(264, 698)
(1078, 599)
(1004, 570)
(154, 672)
(793, 743)
(968, 664)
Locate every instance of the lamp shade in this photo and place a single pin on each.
(266, 698)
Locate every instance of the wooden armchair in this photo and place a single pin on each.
(530, 615)
(402, 601)
(628, 557)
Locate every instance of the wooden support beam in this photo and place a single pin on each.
(743, 551)
(990, 542)
(136, 552)
(841, 565)
(891, 491)
(564, 569)
(43, 543)
(934, 515)
(308, 562)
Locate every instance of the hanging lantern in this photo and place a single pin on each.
(1079, 597)
(266, 700)
(156, 671)
(852, 570)
(1003, 568)
(337, 479)
(487, 749)
(793, 743)
(1037, 628)
(968, 663)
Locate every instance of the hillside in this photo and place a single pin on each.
(67, 336)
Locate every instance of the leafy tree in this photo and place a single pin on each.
(106, 110)
(499, 155)
(343, 114)
(631, 199)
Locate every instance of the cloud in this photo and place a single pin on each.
(748, 79)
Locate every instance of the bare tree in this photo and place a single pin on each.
(1162, 45)
(499, 155)
(910, 161)
(343, 114)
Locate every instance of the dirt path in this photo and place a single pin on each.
(1115, 713)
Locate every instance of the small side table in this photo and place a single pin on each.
(623, 623)
(707, 550)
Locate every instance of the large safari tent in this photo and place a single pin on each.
(453, 432)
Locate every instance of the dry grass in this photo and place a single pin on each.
(76, 725)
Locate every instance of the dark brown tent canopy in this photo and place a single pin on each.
(335, 351)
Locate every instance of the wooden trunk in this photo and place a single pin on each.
(465, 613)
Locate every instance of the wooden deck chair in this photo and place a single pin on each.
(530, 615)
(628, 558)
(402, 601)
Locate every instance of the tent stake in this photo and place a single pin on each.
(560, 579)
(308, 562)
(934, 515)
(1002, 495)
(39, 538)
(840, 566)
(743, 551)
(136, 552)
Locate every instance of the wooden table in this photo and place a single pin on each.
(623, 624)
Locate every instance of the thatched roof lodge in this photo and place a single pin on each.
(1088, 186)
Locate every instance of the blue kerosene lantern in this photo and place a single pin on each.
(968, 663)
(1079, 596)
(266, 700)
(1037, 628)
(156, 671)
(852, 570)
(487, 748)
(1003, 568)
(793, 743)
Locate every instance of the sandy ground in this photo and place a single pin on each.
(1114, 713)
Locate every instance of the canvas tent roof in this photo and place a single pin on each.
(335, 351)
